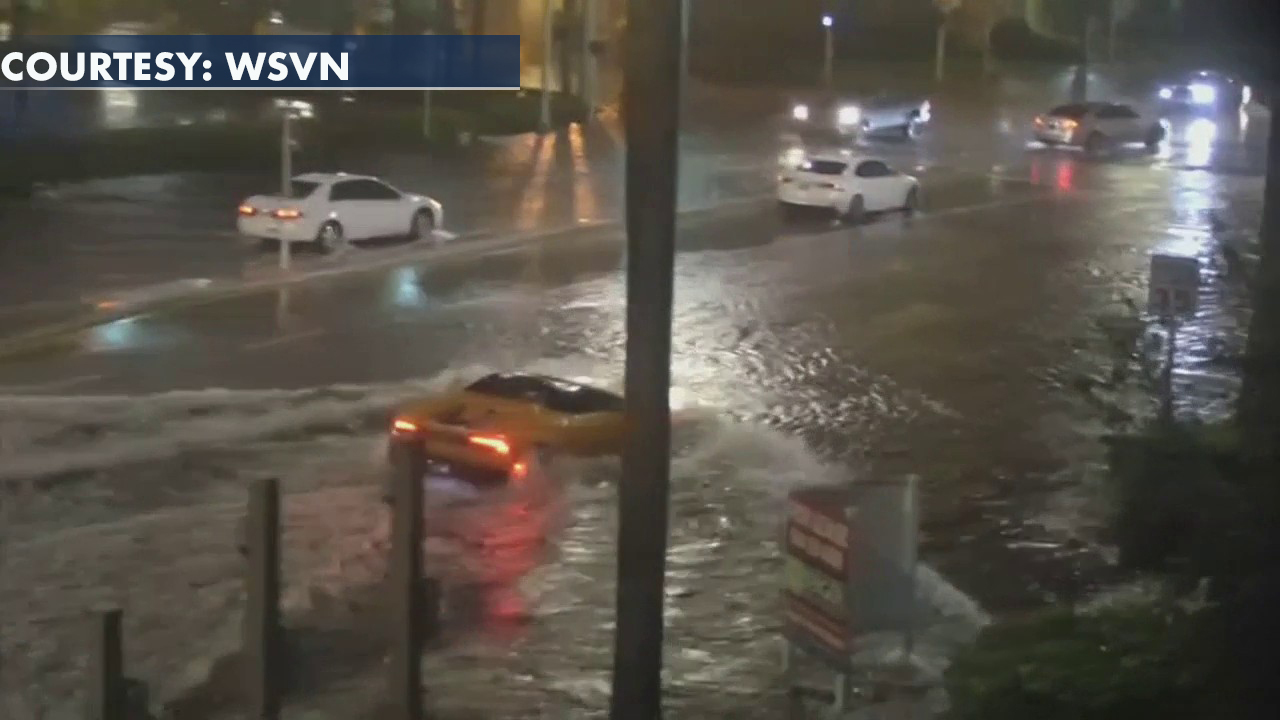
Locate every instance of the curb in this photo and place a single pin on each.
(54, 335)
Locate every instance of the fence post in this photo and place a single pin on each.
(106, 700)
(405, 575)
(262, 632)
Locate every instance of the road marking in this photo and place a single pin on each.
(283, 339)
(992, 205)
(62, 384)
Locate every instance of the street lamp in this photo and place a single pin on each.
(828, 47)
(289, 110)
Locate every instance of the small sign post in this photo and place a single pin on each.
(1173, 293)
(816, 596)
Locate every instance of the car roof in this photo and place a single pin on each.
(327, 178)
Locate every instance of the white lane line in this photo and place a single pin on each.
(63, 384)
(284, 339)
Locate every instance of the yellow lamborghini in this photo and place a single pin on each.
(492, 426)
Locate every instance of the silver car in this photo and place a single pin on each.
(832, 116)
(1098, 127)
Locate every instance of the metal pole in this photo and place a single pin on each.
(686, 7)
(261, 639)
(1166, 377)
(405, 576)
(106, 696)
(828, 55)
(589, 58)
(286, 174)
(651, 117)
(547, 40)
(426, 113)
(940, 52)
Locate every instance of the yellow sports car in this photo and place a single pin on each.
(491, 427)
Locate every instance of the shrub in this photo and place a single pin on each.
(1120, 663)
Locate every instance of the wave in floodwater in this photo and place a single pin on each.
(530, 573)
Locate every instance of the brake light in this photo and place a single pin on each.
(495, 444)
(287, 214)
(403, 426)
(248, 210)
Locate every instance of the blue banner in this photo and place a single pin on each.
(263, 62)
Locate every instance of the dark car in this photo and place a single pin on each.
(1206, 90)
(829, 115)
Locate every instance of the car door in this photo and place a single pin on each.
(387, 206)
(1120, 122)
(347, 202)
(875, 181)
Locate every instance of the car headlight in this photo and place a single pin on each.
(926, 110)
(849, 115)
(800, 112)
(1203, 94)
(1246, 94)
(792, 158)
(1166, 93)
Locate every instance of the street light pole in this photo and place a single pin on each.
(286, 173)
(828, 49)
(651, 117)
(544, 120)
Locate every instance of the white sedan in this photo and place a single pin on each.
(848, 184)
(329, 209)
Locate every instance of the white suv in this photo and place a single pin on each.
(1098, 127)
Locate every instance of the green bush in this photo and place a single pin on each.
(1121, 663)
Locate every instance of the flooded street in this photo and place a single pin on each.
(952, 345)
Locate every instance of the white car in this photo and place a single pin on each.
(329, 209)
(1098, 127)
(848, 184)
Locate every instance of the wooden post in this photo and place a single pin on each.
(106, 696)
(262, 632)
(406, 590)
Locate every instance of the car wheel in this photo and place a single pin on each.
(1154, 135)
(423, 225)
(911, 202)
(329, 238)
(1095, 144)
(854, 213)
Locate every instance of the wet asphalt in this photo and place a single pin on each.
(945, 344)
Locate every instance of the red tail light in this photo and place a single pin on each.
(248, 210)
(403, 426)
(287, 214)
(495, 444)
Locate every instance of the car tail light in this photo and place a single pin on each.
(402, 426)
(495, 444)
(1068, 124)
(519, 472)
(247, 210)
(287, 214)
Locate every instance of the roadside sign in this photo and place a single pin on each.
(1173, 287)
(817, 570)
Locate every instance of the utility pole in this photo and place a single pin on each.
(651, 116)
(548, 17)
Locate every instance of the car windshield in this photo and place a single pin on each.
(302, 188)
(825, 167)
(1075, 111)
(553, 394)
